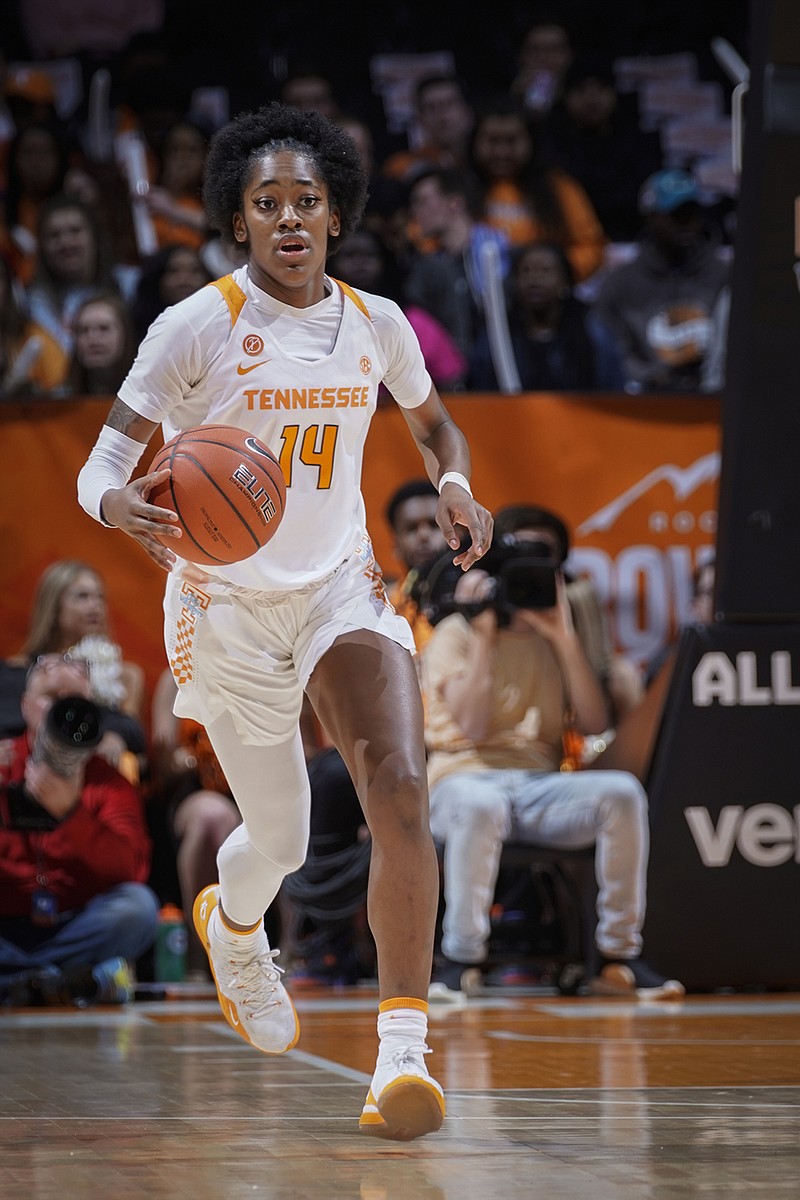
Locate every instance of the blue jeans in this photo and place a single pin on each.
(474, 813)
(121, 921)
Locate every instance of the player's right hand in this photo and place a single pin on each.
(128, 509)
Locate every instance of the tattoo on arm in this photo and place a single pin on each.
(126, 421)
(121, 417)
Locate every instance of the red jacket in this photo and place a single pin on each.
(102, 843)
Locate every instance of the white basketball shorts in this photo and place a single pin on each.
(252, 653)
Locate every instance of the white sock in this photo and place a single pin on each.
(400, 1026)
(244, 944)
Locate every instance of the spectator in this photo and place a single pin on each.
(557, 342)
(101, 187)
(528, 200)
(544, 56)
(438, 140)
(31, 361)
(73, 260)
(38, 160)
(593, 134)
(174, 198)
(498, 680)
(452, 282)
(104, 346)
(167, 277)
(411, 515)
(198, 810)
(622, 682)
(75, 913)
(659, 306)
(69, 615)
(308, 89)
(363, 262)
(443, 117)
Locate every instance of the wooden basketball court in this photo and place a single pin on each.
(548, 1096)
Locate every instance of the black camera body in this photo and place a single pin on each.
(523, 573)
(65, 739)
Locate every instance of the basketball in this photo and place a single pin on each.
(228, 490)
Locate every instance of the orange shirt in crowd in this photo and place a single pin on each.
(584, 240)
(175, 233)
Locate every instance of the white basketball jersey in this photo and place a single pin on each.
(212, 359)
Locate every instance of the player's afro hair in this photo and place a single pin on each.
(234, 148)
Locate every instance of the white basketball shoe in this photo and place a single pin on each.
(403, 1102)
(252, 998)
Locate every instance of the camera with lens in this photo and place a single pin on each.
(523, 574)
(65, 739)
(524, 571)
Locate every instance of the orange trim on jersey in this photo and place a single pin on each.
(348, 291)
(403, 1002)
(232, 294)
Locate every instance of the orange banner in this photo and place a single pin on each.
(635, 479)
(45, 443)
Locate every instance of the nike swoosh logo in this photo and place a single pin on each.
(230, 1011)
(240, 370)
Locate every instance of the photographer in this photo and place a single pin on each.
(499, 674)
(74, 911)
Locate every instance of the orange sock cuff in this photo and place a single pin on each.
(233, 929)
(403, 1002)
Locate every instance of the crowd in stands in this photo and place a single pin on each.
(549, 143)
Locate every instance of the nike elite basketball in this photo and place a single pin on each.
(228, 490)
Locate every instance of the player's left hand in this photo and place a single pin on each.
(457, 507)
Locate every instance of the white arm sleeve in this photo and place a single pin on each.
(110, 465)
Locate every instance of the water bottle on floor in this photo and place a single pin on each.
(170, 950)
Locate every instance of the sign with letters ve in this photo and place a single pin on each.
(723, 904)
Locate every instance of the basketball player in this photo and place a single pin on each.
(281, 349)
